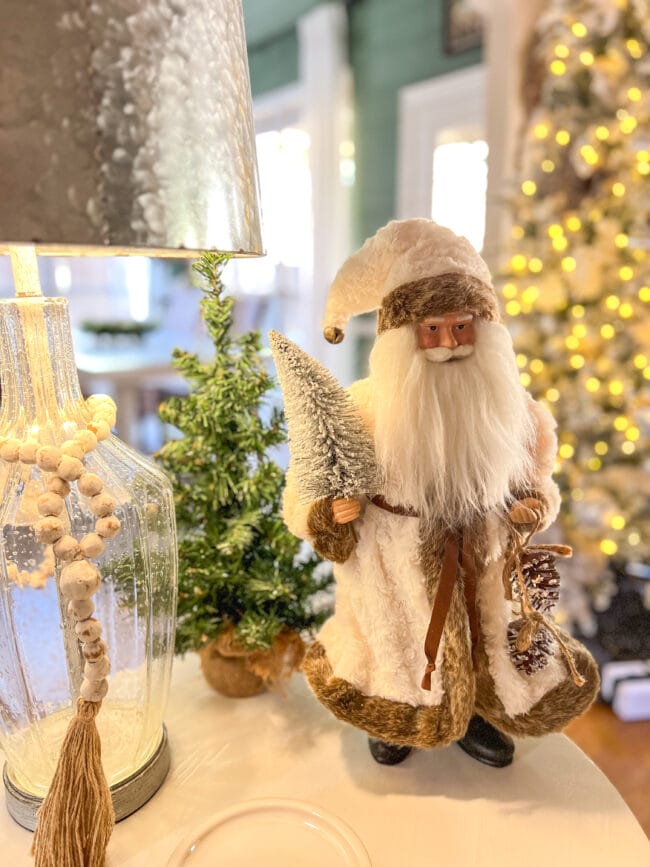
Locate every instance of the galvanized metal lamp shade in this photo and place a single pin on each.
(126, 128)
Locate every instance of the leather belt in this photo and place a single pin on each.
(459, 552)
(405, 511)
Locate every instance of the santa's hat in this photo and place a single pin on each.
(409, 270)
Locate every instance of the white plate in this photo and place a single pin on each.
(275, 833)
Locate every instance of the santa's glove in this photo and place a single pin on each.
(333, 541)
(528, 510)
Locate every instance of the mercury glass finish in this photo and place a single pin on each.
(126, 124)
(40, 658)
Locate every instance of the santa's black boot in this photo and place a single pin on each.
(387, 754)
(486, 744)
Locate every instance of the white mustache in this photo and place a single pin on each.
(443, 353)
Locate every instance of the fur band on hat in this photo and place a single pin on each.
(404, 253)
(436, 296)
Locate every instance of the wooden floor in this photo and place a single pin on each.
(622, 752)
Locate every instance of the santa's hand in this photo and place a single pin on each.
(525, 511)
(345, 510)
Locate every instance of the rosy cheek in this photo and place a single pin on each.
(427, 339)
(465, 337)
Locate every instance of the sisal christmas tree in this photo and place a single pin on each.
(331, 451)
(579, 274)
(243, 576)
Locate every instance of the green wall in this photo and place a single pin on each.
(392, 43)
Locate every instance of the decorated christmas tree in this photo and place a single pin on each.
(242, 575)
(578, 280)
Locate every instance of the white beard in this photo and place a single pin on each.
(453, 439)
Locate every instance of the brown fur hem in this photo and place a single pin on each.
(333, 541)
(553, 711)
(392, 721)
(435, 296)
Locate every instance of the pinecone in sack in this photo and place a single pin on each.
(541, 577)
(529, 645)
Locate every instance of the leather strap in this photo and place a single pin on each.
(405, 511)
(459, 550)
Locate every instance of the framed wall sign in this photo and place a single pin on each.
(463, 26)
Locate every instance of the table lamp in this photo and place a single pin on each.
(125, 129)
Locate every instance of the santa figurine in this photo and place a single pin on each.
(442, 630)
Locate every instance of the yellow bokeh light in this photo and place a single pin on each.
(535, 265)
(601, 447)
(621, 422)
(578, 29)
(574, 224)
(592, 384)
(609, 547)
(560, 244)
(522, 359)
(558, 67)
(643, 156)
(578, 311)
(621, 240)
(552, 394)
(537, 365)
(548, 166)
(616, 387)
(577, 361)
(618, 189)
(568, 263)
(628, 125)
(633, 94)
(586, 57)
(540, 130)
(602, 133)
(612, 302)
(643, 169)
(513, 308)
(628, 448)
(640, 361)
(572, 342)
(566, 451)
(509, 290)
(632, 433)
(617, 522)
(517, 232)
(644, 294)
(589, 154)
(555, 230)
(594, 464)
(530, 295)
(626, 272)
(634, 538)
(524, 379)
(626, 311)
(577, 494)
(580, 330)
(607, 331)
(634, 48)
(563, 137)
(518, 262)
(561, 50)
(529, 188)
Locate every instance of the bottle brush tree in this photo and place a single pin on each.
(244, 579)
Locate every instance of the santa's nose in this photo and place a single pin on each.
(446, 337)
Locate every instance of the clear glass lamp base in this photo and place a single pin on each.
(128, 795)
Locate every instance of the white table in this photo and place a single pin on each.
(551, 808)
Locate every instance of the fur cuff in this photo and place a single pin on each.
(332, 541)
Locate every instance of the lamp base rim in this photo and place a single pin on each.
(128, 795)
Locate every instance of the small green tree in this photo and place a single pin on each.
(239, 566)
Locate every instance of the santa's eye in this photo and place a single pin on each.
(433, 327)
(460, 327)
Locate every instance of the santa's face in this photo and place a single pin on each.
(447, 338)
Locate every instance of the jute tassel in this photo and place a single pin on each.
(76, 820)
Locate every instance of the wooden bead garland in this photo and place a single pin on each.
(79, 578)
